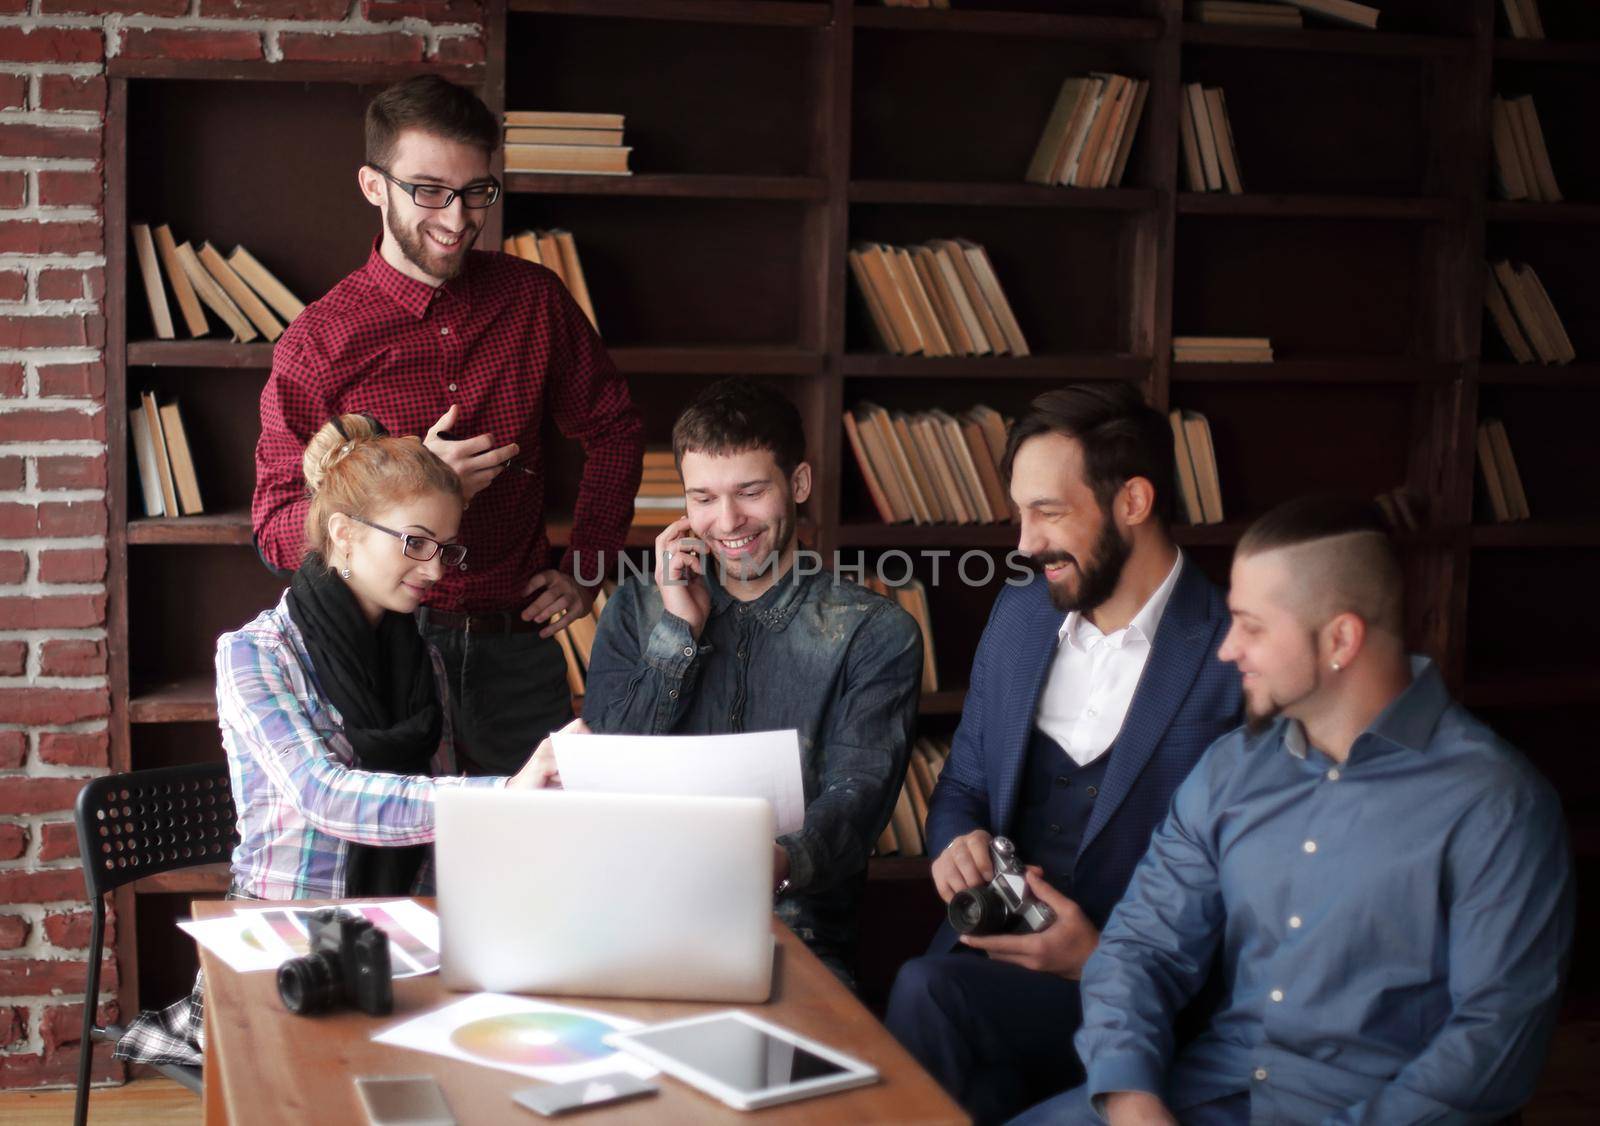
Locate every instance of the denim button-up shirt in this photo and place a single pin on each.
(1393, 929)
(834, 661)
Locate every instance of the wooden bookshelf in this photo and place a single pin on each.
(769, 135)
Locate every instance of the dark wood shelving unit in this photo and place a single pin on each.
(770, 136)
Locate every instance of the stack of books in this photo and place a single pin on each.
(660, 498)
(167, 478)
(1344, 12)
(1524, 315)
(1502, 482)
(1199, 486)
(237, 289)
(589, 144)
(556, 251)
(931, 467)
(1241, 13)
(1222, 349)
(1522, 168)
(1210, 161)
(577, 640)
(941, 298)
(1086, 141)
(906, 832)
(1522, 19)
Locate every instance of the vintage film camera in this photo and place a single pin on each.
(348, 965)
(1004, 905)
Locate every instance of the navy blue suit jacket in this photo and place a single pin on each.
(1186, 699)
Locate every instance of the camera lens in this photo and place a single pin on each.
(977, 911)
(310, 984)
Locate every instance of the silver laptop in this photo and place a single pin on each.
(605, 895)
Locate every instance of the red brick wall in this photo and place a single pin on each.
(53, 688)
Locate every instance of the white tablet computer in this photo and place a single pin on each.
(743, 1061)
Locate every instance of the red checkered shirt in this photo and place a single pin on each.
(506, 342)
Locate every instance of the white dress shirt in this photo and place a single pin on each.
(1094, 674)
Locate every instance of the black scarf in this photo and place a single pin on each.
(381, 680)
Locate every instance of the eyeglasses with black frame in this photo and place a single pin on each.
(421, 548)
(436, 197)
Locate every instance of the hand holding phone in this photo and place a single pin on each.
(680, 571)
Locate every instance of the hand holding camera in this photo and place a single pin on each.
(1018, 917)
(348, 965)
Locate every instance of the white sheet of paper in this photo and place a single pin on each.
(755, 764)
(253, 939)
(229, 938)
(555, 1043)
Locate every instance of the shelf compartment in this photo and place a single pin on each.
(1033, 25)
(191, 700)
(1077, 368)
(1307, 206)
(1563, 213)
(222, 529)
(765, 13)
(957, 193)
(1326, 40)
(1537, 533)
(1574, 375)
(1359, 369)
(671, 185)
(201, 353)
(711, 359)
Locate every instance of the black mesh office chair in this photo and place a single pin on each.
(136, 825)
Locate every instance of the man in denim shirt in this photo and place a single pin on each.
(733, 636)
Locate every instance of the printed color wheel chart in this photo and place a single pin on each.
(534, 1039)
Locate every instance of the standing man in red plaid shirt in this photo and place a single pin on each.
(469, 350)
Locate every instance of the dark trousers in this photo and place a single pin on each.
(996, 1036)
(507, 692)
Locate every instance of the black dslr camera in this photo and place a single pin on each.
(348, 965)
(1004, 905)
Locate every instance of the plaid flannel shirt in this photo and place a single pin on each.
(300, 801)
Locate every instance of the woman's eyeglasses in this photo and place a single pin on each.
(421, 548)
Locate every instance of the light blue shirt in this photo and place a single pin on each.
(1393, 931)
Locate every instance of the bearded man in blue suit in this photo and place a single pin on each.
(1095, 689)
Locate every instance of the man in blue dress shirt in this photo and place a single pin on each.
(1388, 882)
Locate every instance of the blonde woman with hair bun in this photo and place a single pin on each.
(334, 710)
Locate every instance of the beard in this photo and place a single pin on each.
(1098, 576)
(414, 247)
(1258, 718)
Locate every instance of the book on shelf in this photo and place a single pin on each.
(1199, 486)
(239, 290)
(1210, 159)
(941, 298)
(929, 467)
(1522, 168)
(1222, 349)
(1346, 13)
(659, 500)
(194, 317)
(1522, 313)
(1522, 19)
(167, 478)
(912, 597)
(1241, 13)
(242, 295)
(1498, 469)
(557, 251)
(1090, 131)
(580, 143)
(906, 832)
(585, 160)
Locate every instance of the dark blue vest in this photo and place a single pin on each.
(1057, 797)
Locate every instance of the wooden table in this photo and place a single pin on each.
(264, 1064)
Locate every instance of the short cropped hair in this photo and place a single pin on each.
(433, 105)
(735, 415)
(1345, 559)
(1121, 436)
